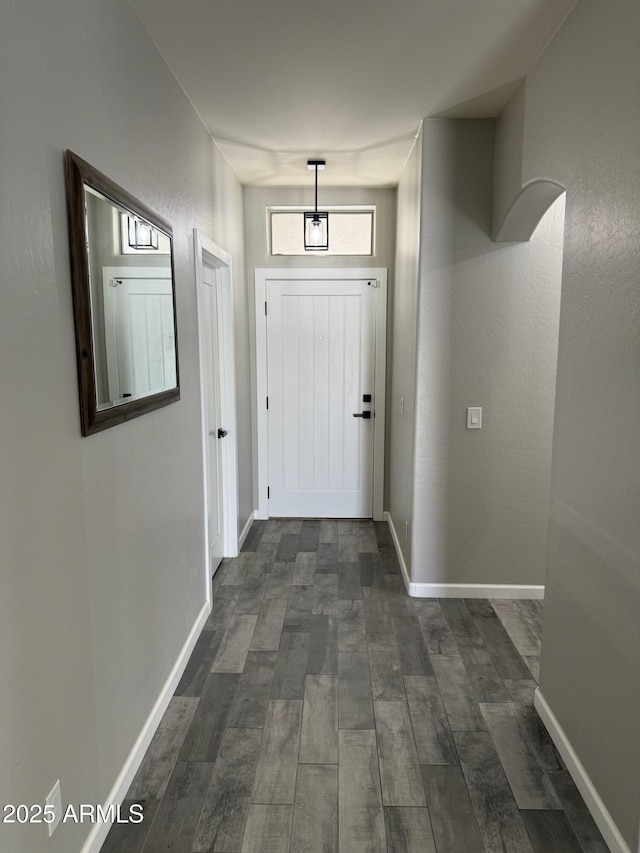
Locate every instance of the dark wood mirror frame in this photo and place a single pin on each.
(80, 174)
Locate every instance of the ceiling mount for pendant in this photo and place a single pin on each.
(316, 224)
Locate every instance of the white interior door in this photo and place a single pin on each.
(320, 371)
(214, 301)
(212, 368)
(140, 335)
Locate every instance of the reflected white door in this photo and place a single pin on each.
(212, 362)
(320, 371)
(140, 336)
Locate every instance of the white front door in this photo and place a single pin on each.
(320, 379)
(212, 362)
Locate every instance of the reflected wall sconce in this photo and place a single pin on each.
(316, 224)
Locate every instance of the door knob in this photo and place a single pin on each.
(365, 415)
(222, 433)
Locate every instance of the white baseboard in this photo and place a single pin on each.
(460, 590)
(474, 590)
(118, 793)
(245, 531)
(599, 811)
(396, 542)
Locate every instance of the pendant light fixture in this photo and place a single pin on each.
(141, 234)
(316, 224)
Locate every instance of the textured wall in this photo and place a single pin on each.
(101, 538)
(582, 124)
(504, 345)
(508, 157)
(402, 353)
(433, 352)
(487, 336)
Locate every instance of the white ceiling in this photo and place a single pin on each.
(279, 81)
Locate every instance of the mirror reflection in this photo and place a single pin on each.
(131, 303)
(124, 299)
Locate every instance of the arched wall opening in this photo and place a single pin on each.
(527, 210)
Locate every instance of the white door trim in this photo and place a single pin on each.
(262, 277)
(207, 253)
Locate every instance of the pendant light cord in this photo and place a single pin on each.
(316, 204)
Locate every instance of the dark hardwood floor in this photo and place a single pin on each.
(323, 709)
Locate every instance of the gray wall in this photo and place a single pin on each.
(402, 353)
(581, 128)
(505, 306)
(433, 352)
(101, 538)
(509, 151)
(487, 336)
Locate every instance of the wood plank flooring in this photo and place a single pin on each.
(324, 710)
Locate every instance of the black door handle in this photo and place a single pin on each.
(365, 415)
(222, 433)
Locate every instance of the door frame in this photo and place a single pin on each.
(262, 279)
(208, 253)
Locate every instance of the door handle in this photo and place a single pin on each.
(365, 415)
(222, 433)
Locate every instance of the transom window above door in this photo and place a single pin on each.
(351, 230)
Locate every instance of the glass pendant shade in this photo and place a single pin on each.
(316, 231)
(316, 224)
(142, 235)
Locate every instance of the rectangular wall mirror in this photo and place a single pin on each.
(123, 298)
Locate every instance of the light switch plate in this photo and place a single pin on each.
(474, 417)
